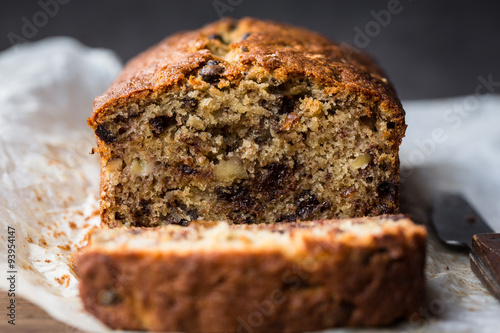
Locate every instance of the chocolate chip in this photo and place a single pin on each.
(387, 190)
(286, 105)
(181, 222)
(246, 203)
(104, 134)
(189, 103)
(245, 36)
(287, 218)
(160, 123)
(391, 125)
(186, 169)
(227, 193)
(244, 49)
(211, 71)
(217, 37)
(275, 178)
(193, 214)
(119, 216)
(308, 204)
(239, 196)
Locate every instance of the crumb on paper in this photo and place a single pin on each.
(93, 214)
(37, 195)
(72, 225)
(64, 247)
(88, 234)
(63, 280)
(48, 261)
(59, 233)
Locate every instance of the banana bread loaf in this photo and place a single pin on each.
(247, 121)
(282, 277)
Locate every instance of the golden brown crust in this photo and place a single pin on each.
(283, 49)
(336, 278)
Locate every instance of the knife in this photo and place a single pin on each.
(458, 225)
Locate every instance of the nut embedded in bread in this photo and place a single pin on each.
(282, 277)
(247, 121)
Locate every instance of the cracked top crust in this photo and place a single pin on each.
(255, 47)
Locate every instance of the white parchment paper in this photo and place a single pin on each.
(49, 182)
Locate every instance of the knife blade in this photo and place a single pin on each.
(458, 225)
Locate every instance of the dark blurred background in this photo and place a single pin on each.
(429, 48)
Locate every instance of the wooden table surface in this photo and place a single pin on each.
(30, 318)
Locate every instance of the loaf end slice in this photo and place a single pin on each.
(248, 121)
(286, 277)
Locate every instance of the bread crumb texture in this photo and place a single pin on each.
(247, 121)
